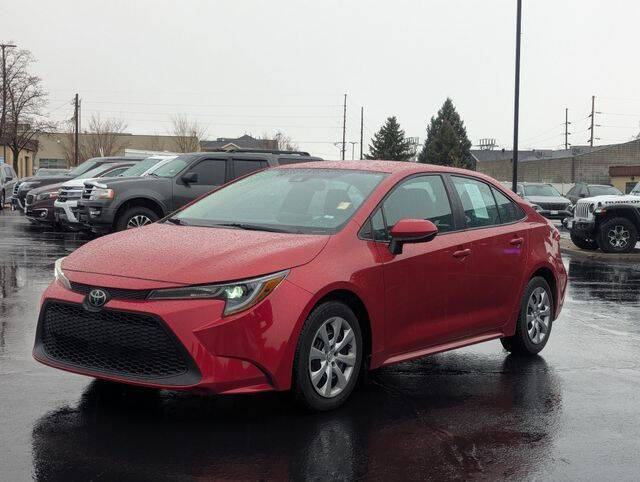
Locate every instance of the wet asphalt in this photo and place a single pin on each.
(474, 413)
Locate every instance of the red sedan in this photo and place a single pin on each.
(300, 277)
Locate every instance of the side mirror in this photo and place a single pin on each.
(582, 195)
(411, 231)
(190, 178)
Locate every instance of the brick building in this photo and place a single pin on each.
(578, 164)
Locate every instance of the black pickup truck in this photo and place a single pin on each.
(120, 204)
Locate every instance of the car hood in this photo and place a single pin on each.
(547, 199)
(43, 181)
(193, 255)
(115, 182)
(47, 188)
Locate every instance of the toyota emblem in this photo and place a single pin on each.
(97, 298)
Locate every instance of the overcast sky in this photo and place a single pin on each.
(262, 66)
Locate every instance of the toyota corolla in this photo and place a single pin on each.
(301, 277)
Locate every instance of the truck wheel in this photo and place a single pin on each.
(135, 217)
(583, 243)
(617, 235)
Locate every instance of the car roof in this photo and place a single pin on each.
(390, 167)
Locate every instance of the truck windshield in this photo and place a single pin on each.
(171, 168)
(310, 201)
(82, 168)
(603, 190)
(141, 167)
(541, 190)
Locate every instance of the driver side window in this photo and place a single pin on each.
(423, 197)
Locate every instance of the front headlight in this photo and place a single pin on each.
(47, 195)
(59, 274)
(238, 296)
(101, 193)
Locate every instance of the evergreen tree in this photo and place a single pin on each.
(390, 144)
(447, 143)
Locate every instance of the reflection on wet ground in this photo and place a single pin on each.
(471, 413)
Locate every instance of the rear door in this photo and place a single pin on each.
(499, 241)
(211, 173)
(242, 167)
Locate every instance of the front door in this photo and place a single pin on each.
(211, 173)
(425, 285)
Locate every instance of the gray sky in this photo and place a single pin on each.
(254, 67)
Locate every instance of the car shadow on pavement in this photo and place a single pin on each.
(450, 415)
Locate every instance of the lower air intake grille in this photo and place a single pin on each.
(111, 342)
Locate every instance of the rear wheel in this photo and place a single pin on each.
(584, 243)
(328, 357)
(534, 320)
(617, 235)
(135, 217)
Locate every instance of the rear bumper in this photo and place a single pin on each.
(248, 352)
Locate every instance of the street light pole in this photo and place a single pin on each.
(3, 118)
(516, 104)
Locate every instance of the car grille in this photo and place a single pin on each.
(582, 210)
(16, 187)
(112, 293)
(553, 206)
(29, 199)
(86, 192)
(111, 342)
(66, 194)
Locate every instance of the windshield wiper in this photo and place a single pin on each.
(252, 227)
(177, 221)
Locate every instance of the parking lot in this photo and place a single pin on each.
(570, 413)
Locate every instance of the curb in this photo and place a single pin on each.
(567, 247)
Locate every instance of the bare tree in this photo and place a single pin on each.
(26, 99)
(187, 133)
(104, 137)
(279, 141)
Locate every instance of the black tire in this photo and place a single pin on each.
(520, 342)
(617, 224)
(130, 214)
(2, 200)
(584, 243)
(303, 389)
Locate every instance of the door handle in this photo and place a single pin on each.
(516, 241)
(463, 253)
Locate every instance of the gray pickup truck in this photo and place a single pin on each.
(120, 204)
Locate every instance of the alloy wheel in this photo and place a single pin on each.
(538, 315)
(618, 236)
(137, 221)
(332, 357)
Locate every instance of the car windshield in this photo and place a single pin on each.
(82, 168)
(603, 190)
(636, 190)
(50, 172)
(541, 190)
(314, 201)
(140, 167)
(95, 172)
(172, 168)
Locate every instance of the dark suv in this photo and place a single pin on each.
(120, 204)
(581, 190)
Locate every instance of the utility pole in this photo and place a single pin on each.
(3, 118)
(593, 116)
(361, 129)
(353, 149)
(566, 128)
(516, 103)
(344, 127)
(77, 123)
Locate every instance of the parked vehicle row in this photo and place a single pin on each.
(8, 178)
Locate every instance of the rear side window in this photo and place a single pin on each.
(211, 172)
(246, 166)
(507, 209)
(423, 197)
(477, 202)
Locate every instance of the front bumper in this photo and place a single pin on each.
(17, 204)
(553, 214)
(97, 215)
(248, 352)
(67, 214)
(583, 228)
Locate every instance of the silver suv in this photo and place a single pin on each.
(8, 178)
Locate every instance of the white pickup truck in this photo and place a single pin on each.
(611, 223)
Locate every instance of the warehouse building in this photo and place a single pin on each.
(577, 164)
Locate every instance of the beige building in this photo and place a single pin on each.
(56, 149)
(24, 166)
(625, 178)
(577, 164)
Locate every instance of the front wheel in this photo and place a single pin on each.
(534, 320)
(328, 357)
(135, 217)
(583, 243)
(618, 235)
